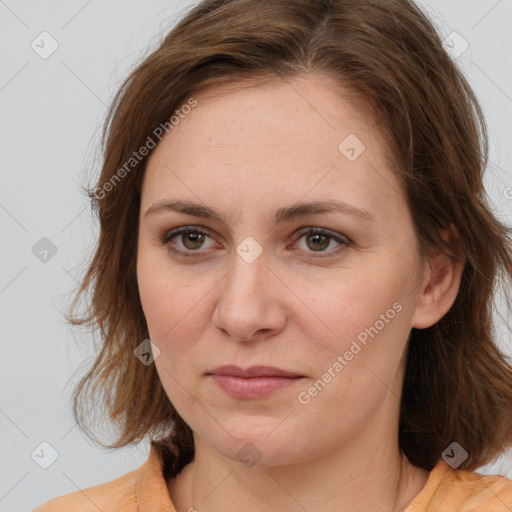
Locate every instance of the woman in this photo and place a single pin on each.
(296, 269)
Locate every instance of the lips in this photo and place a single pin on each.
(253, 372)
(256, 382)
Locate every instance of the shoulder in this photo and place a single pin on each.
(491, 491)
(113, 495)
(144, 488)
(463, 490)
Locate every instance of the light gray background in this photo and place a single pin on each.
(51, 111)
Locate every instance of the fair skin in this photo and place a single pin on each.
(246, 152)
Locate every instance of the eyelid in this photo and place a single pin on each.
(342, 239)
(166, 239)
(184, 229)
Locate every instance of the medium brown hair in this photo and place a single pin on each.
(458, 385)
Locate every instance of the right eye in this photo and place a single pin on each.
(192, 238)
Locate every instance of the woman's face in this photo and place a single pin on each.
(249, 281)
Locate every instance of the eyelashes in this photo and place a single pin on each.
(319, 234)
(199, 236)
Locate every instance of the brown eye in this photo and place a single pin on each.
(187, 241)
(317, 241)
(192, 239)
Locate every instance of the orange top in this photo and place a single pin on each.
(145, 490)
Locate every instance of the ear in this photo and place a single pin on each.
(439, 288)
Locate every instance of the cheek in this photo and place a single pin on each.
(174, 308)
(169, 298)
(348, 306)
(355, 370)
(175, 320)
(168, 309)
(369, 317)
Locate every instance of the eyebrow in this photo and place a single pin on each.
(281, 215)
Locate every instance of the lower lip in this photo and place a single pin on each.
(253, 387)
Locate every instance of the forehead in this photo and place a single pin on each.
(273, 139)
(308, 110)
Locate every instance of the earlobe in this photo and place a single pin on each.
(439, 289)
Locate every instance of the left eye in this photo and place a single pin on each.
(193, 239)
(318, 239)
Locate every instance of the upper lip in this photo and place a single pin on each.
(253, 371)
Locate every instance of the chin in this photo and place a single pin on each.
(257, 442)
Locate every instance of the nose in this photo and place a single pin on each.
(251, 301)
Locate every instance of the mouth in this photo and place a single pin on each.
(253, 372)
(253, 382)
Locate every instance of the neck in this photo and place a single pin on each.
(361, 475)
